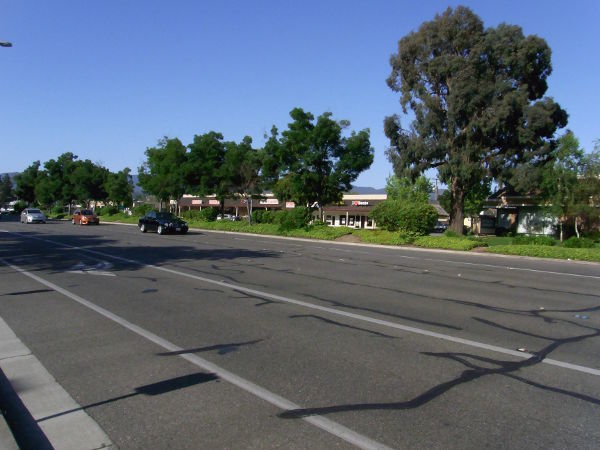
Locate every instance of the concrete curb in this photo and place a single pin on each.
(39, 413)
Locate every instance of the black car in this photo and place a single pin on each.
(162, 222)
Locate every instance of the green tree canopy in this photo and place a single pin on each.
(88, 181)
(26, 182)
(163, 172)
(312, 162)
(570, 184)
(6, 188)
(241, 171)
(119, 187)
(204, 161)
(477, 98)
(54, 184)
(407, 190)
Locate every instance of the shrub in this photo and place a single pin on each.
(541, 251)
(142, 209)
(263, 216)
(448, 243)
(575, 242)
(593, 235)
(291, 219)
(208, 214)
(533, 240)
(56, 210)
(408, 217)
(108, 210)
(19, 206)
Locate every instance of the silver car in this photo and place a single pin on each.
(32, 215)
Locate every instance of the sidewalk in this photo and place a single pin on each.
(37, 412)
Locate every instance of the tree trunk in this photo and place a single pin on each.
(576, 228)
(561, 232)
(249, 205)
(457, 214)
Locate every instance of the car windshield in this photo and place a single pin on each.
(33, 211)
(164, 215)
(87, 212)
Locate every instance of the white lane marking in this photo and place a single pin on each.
(378, 247)
(321, 422)
(338, 312)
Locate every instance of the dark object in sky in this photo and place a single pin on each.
(5, 44)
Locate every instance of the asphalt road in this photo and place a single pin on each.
(215, 340)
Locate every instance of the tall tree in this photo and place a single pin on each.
(407, 190)
(241, 171)
(54, 183)
(478, 100)
(314, 163)
(88, 181)
(26, 182)
(204, 161)
(119, 187)
(6, 188)
(570, 184)
(162, 174)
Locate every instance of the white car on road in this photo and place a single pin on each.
(32, 215)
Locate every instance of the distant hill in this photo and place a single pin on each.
(365, 190)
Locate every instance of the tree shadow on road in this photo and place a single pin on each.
(474, 371)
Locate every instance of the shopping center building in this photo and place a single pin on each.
(354, 210)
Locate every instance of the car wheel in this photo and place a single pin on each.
(160, 229)
(143, 228)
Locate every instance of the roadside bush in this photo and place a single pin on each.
(593, 235)
(408, 217)
(544, 251)
(208, 214)
(533, 240)
(107, 210)
(291, 219)
(263, 216)
(448, 243)
(575, 242)
(141, 210)
(56, 210)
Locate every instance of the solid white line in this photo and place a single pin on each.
(321, 422)
(385, 323)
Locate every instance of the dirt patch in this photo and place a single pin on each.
(348, 238)
(479, 250)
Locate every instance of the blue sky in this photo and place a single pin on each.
(107, 79)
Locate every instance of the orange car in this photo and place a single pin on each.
(84, 217)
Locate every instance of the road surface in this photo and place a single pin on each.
(221, 340)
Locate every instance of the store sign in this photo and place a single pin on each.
(214, 202)
(359, 203)
(196, 202)
(270, 201)
(290, 205)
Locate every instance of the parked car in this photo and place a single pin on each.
(231, 217)
(162, 222)
(440, 227)
(32, 215)
(85, 217)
